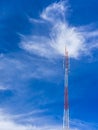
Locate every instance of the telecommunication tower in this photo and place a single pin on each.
(66, 102)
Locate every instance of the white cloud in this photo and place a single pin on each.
(69, 37)
(7, 124)
(77, 41)
(37, 45)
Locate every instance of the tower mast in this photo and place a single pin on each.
(66, 102)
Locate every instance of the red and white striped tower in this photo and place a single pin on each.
(66, 102)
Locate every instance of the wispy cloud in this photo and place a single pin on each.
(78, 40)
(3, 88)
(17, 67)
(82, 125)
(7, 122)
(20, 70)
(55, 12)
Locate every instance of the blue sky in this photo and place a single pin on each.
(33, 35)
